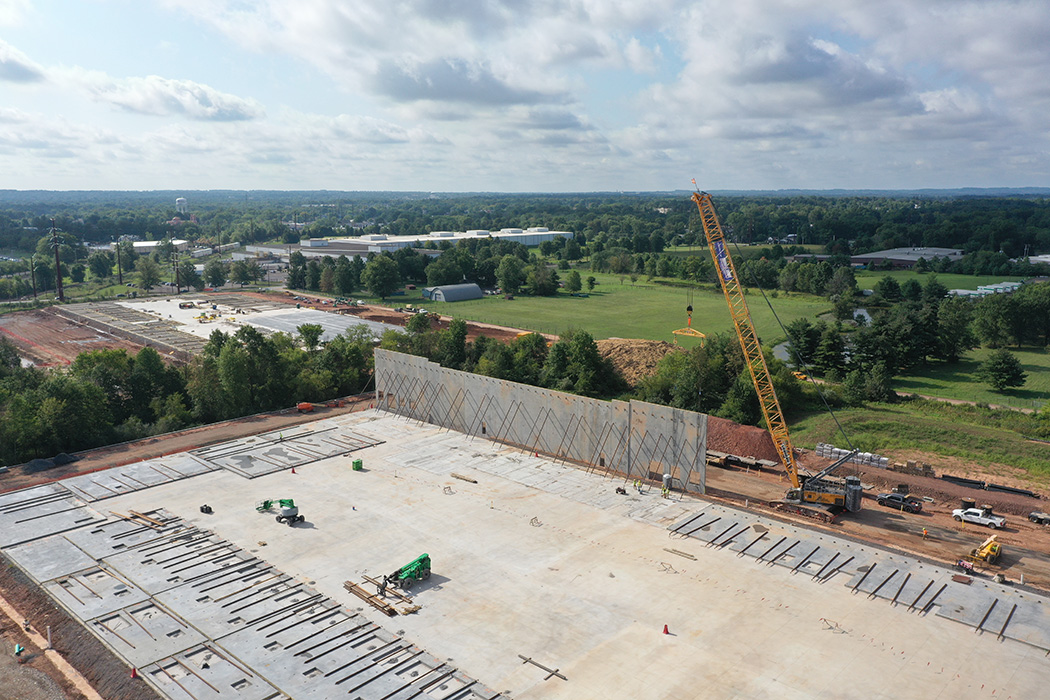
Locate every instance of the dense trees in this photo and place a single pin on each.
(108, 395)
(381, 276)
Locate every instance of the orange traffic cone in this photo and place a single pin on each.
(134, 673)
(665, 630)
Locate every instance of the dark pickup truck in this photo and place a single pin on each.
(900, 502)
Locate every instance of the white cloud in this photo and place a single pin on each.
(16, 67)
(570, 94)
(154, 95)
(12, 12)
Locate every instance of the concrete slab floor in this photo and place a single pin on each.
(582, 589)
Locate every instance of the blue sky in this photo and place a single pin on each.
(544, 95)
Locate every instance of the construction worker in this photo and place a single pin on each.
(665, 492)
(924, 533)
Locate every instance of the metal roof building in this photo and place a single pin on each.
(453, 292)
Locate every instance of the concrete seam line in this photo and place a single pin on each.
(63, 666)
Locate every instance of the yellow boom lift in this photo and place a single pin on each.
(809, 490)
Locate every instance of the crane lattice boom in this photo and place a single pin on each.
(745, 329)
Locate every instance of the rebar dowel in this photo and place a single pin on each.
(823, 568)
(901, 589)
(802, 563)
(719, 535)
(986, 614)
(701, 527)
(687, 523)
(1009, 617)
(837, 569)
(919, 597)
(879, 587)
(743, 551)
(866, 574)
(725, 542)
(763, 555)
(929, 605)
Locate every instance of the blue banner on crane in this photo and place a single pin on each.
(723, 260)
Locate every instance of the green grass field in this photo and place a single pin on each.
(867, 279)
(965, 432)
(960, 381)
(642, 310)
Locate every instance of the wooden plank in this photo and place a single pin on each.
(389, 589)
(376, 602)
(146, 518)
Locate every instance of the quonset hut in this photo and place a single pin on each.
(453, 292)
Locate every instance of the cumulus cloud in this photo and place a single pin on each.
(452, 81)
(505, 94)
(159, 96)
(12, 12)
(16, 67)
(461, 51)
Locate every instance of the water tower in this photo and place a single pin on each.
(181, 205)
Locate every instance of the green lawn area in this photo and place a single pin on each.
(960, 381)
(980, 435)
(642, 310)
(867, 279)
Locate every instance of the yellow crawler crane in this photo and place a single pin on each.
(809, 490)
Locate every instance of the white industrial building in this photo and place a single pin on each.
(147, 247)
(379, 242)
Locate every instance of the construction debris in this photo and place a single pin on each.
(373, 600)
(454, 475)
(680, 553)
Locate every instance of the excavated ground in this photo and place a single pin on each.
(634, 359)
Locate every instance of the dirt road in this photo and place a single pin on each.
(1026, 547)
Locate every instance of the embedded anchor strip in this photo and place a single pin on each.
(200, 618)
(900, 581)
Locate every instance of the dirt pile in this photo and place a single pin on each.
(741, 440)
(634, 359)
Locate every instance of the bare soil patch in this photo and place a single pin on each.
(741, 440)
(110, 676)
(48, 340)
(634, 359)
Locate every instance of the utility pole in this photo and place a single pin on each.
(58, 262)
(32, 273)
(175, 264)
(120, 272)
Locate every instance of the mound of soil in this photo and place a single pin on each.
(741, 440)
(634, 359)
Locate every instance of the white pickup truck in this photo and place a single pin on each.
(979, 516)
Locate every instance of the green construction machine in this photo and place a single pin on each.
(288, 512)
(416, 570)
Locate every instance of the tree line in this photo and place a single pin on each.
(108, 396)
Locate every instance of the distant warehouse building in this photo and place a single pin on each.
(453, 292)
(906, 258)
